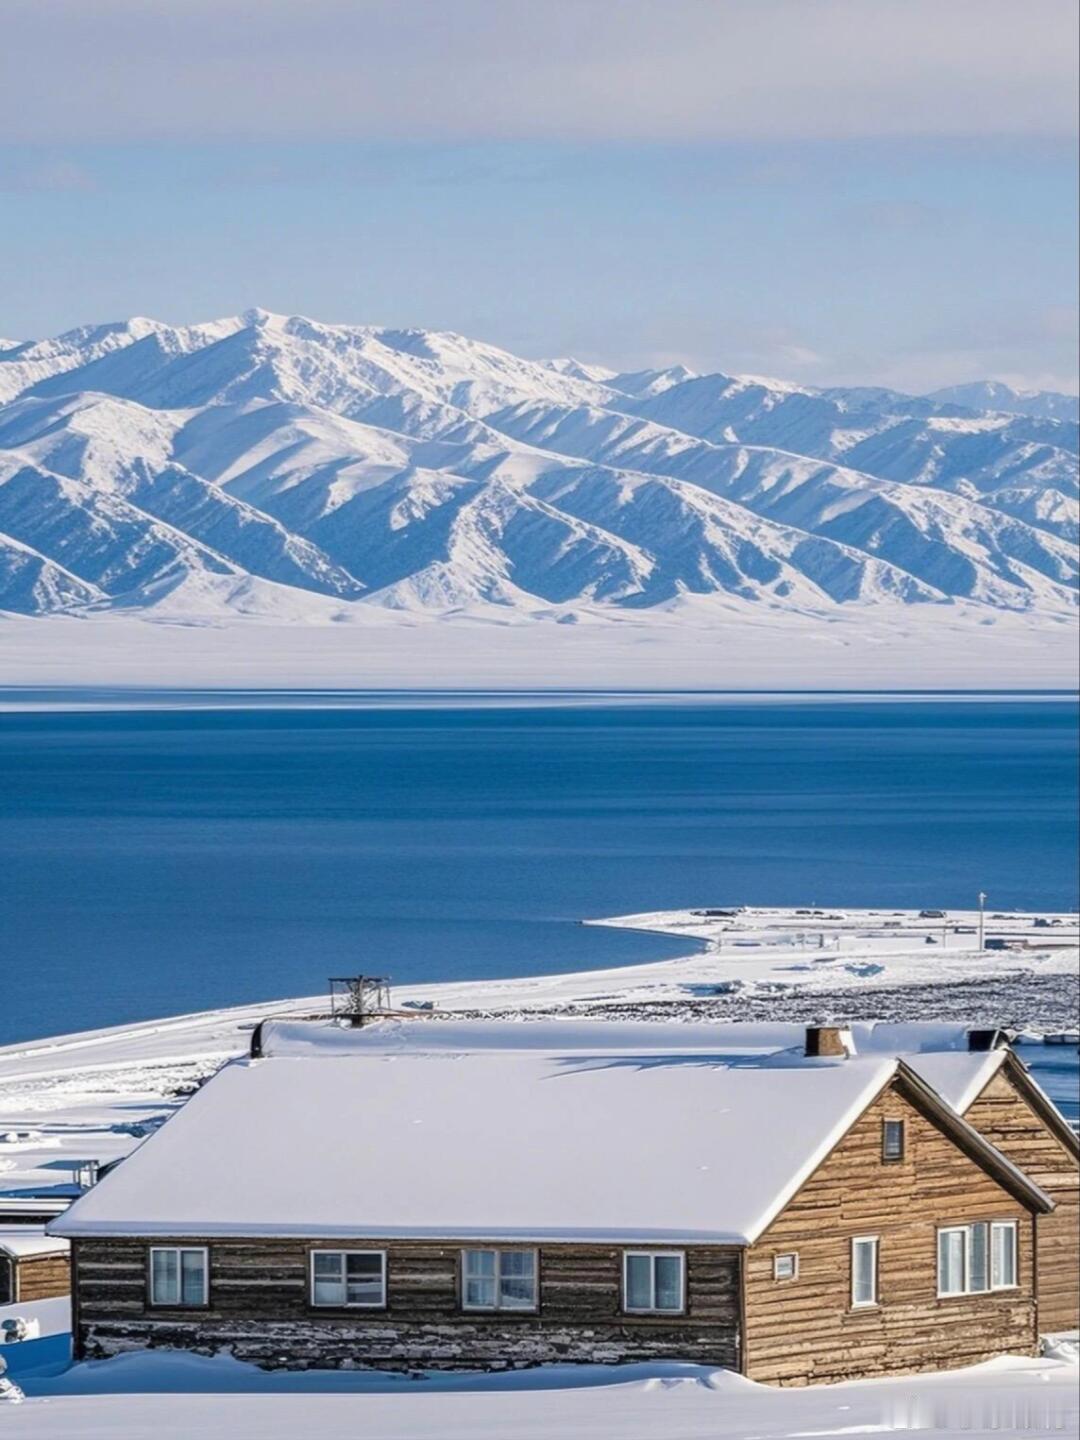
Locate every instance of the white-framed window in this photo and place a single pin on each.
(972, 1259)
(864, 1271)
(892, 1140)
(1003, 1266)
(786, 1267)
(498, 1280)
(349, 1279)
(952, 1260)
(178, 1275)
(654, 1282)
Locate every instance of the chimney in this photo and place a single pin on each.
(833, 1041)
(986, 1039)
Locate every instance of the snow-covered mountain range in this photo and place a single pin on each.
(277, 466)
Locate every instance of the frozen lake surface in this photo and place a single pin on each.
(154, 861)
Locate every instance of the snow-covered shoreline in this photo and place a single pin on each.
(701, 644)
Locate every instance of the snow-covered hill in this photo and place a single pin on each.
(277, 466)
(993, 395)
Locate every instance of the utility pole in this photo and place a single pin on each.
(982, 919)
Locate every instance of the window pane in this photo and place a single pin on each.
(164, 1277)
(951, 1262)
(480, 1262)
(328, 1284)
(864, 1272)
(517, 1262)
(978, 1278)
(480, 1292)
(638, 1282)
(193, 1277)
(668, 1273)
(784, 1267)
(364, 1279)
(893, 1143)
(517, 1292)
(517, 1280)
(1004, 1257)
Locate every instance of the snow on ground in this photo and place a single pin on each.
(833, 949)
(177, 1397)
(701, 643)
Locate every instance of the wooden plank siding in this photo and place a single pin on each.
(805, 1330)
(41, 1277)
(259, 1307)
(1007, 1119)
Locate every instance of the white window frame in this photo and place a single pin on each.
(992, 1226)
(345, 1304)
(178, 1251)
(875, 1241)
(499, 1251)
(965, 1231)
(652, 1256)
(995, 1225)
(888, 1159)
(793, 1256)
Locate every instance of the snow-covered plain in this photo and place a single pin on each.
(96, 1094)
(702, 643)
(135, 1397)
(271, 473)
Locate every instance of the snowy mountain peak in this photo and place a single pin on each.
(274, 464)
(997, 396)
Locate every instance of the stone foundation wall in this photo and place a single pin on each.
(305, 1344)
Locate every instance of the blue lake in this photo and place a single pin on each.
(155, 861)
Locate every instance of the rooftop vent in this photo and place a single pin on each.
(85, 1173)
(835, 1041)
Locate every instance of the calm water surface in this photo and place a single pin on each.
(161, 861)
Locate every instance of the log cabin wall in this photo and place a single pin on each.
(805, 1330)
(42, 1277)
(1005, 1117)
(259, 1308)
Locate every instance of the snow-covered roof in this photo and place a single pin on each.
(514, 1131)
(959, 1078)
(936, 1050)
(24, 1242)
(637, 1133)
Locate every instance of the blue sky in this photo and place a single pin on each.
(833, 191)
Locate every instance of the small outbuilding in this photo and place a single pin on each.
(33, 1265)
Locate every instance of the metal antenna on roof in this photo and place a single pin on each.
(355, 999)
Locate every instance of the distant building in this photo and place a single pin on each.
(33, 1265)
(802, 1207)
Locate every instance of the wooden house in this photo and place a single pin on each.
(1012, 1112)
(33, 1265)
(430, 1194)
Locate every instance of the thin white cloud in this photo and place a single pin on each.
(593, 70)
